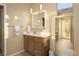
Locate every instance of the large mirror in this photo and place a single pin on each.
(39, 19)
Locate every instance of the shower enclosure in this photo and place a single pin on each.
(64, 27)
(63, 44)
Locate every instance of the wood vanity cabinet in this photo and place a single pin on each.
(38, 46)
(28, 44)
(41, 46)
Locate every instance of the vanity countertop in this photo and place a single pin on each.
(37, 35)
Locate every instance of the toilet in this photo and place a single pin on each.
(51, 53)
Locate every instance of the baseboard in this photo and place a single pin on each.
(17, 53)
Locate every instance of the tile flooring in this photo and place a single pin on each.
(23, 54)
(64, 47)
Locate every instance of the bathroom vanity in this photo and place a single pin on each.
(36, 45)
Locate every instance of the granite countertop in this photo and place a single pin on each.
(37, 35)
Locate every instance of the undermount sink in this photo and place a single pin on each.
(37, 34)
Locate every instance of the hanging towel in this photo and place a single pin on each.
(28, 28)
(17, 29)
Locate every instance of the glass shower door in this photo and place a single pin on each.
(63, 36)
(65, 28)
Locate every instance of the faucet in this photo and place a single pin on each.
(34, 32)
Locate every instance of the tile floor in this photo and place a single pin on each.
(64, 47)
(23, 54)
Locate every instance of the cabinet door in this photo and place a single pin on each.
(37, 46)
(37, 42)
(30, 44)
(25, 43)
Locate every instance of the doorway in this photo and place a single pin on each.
(1, 30)
(63, 39)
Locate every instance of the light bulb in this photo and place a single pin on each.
(6, 16)
(31, 10)
(15, 17)
(40, 6)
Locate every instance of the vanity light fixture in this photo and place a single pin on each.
(31, 10)
(15, 17)
(6, 16)
(40, 6)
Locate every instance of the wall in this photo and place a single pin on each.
(14, 43)
(52, 29)
(76, 28)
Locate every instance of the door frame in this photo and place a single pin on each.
(4, 39)
(65, 15)
(60, 16)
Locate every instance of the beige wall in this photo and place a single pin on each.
(52, 29)
(76, 29)
(14, 42)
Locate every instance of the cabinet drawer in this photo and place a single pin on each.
(37, 52)
(25, 43)
(37, 45)
(36, 39)
(38, 48)
(25, 37)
